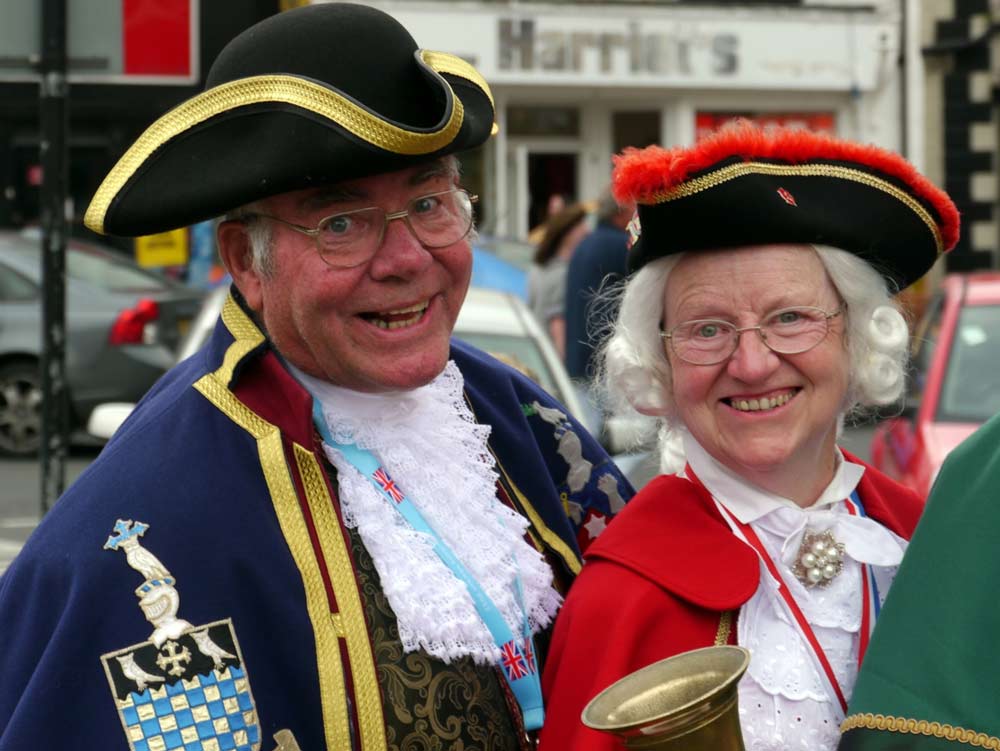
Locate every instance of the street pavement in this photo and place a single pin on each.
(20, 491)
(20, 483)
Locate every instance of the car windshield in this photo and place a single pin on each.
(971, 390)
(517, 351)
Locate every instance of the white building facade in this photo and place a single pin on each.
(575, 83)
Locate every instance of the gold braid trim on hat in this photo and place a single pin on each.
(442, 62)
(698, 184)
(892, 724)
(243, 92)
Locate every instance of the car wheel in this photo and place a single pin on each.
(20, 408)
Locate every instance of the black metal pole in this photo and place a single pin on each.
(54, 127)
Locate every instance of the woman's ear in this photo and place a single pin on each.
(237, 256)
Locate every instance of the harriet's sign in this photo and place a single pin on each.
(681, 51)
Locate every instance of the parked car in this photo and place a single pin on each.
(955, 384)
(123, 327)
(501, 324)
(495, 321)
(502, 264)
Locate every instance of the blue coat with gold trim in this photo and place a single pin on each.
(243, 571)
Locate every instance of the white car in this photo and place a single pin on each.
(495, 321)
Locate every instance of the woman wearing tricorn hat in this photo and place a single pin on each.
(757, 316)
(365, 521)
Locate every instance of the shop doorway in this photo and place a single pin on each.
(535, 173)
(552, 180)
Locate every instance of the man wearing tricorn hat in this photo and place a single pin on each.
(346, 529)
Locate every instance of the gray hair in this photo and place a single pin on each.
(258, 228)
(635, 373)
(258, 231)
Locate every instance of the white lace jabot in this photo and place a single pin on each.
(429, 443)
(784, 704)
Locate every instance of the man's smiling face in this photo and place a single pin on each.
(384, 325)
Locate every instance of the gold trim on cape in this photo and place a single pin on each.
(327, 627)
(550, 538)
(351, 618)
(538, 527)
(725, 628)
(299, 92)
(246, 335)
(741, 169)
(911, 726)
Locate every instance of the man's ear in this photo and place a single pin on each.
(236, 255)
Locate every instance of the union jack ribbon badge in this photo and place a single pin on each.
(634, 230)
(513, 661)
(529, 655)
(387, 484)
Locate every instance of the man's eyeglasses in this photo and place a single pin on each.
(789, 331)
(351, 238)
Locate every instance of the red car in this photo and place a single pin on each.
(955, 386)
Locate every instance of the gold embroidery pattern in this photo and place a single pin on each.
(920, 727)
(351, 617)
(429, 704)
(725, 629)
(804, 170)
(286, 89)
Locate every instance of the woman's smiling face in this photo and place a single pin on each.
(768, 417)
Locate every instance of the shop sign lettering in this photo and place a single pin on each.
(681, 51)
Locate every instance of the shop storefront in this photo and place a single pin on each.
(575, 83)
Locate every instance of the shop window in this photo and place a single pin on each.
(818, 122)
(543, 121)
(635, 129)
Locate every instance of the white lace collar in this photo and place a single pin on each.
(749, 503)
(429, 443)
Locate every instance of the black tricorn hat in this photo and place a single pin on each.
(314, 95)
(745, 186)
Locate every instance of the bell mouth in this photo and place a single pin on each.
(671, 697)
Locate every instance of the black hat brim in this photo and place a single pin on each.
(255, 133)
(744, 204)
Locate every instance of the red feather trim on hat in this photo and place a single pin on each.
(640, 174)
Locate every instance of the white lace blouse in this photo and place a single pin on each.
(784, 702)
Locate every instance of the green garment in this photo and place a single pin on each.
(931, 677)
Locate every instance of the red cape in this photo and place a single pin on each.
(656, 583)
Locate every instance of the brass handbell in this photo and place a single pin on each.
(688, 701)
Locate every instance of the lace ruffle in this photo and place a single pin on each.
(429, 443)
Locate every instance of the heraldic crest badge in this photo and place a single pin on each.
(186, 688)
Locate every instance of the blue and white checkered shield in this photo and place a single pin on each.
(188, 694)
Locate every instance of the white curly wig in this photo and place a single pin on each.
(635, 373)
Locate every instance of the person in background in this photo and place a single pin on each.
(547, 276)
(758, 315)
(555, 203)
(334, 525)
(599, 262)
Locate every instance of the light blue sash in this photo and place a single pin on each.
(517, 654)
